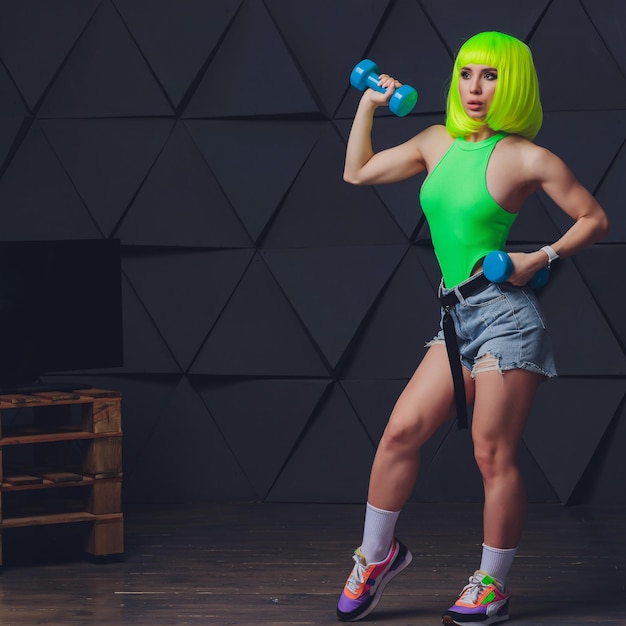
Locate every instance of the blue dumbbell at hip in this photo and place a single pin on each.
(365, 74)
(497, 267)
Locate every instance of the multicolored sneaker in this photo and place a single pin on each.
(481, 602)
(366, 583)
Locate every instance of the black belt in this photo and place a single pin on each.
(449, 332)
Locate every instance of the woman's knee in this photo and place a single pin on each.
(396, 437)
(494, 461)
(485, 458)
(404, 435)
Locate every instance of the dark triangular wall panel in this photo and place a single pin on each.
(596, 266)
(343, 215)
(258, 333)
(108, 178)
(425, 254)
(583, 334)
(577, 51)
(10, 128)
(405, 318)
(105, 75)
(177, 38)
(456, 26)
(537, 484)
(267, 181)
(246, 410)
(145, 350)
(373, 401)
(594, 153)
(609, 16)
(594, 145)
(38, 199)
(179, 461)
(13, 114)
(611, 197)
(341, 471)
(566, 426)
(332, 289)
(603, 478)
(181, 204)
(163, 278)
(439, 473)
(37, 36)
(534, 223)
(247, 77)
(210, 139)
(305, 25)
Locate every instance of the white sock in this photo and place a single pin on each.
(497, 562)
(378, 533)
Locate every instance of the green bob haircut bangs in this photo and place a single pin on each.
(516, 107)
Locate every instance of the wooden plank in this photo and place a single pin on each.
(17, 480)
(53, 437)
(103, 457)
(100, 393)
(48, 484)
(62, 477)
(103, 416)
(105, 497)
(106, 537)
(57, 396)
(57, 518)
(20, 398)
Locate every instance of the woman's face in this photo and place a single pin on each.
(477, 87)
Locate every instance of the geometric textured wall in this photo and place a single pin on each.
(272, 313)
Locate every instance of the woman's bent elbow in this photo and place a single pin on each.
(604, 226)
(351, 178)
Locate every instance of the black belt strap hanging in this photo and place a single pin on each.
(478, 283)
(452, 347)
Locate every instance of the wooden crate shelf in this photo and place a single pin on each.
(47, 426)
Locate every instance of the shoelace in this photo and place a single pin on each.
(356, 577)
(471, 592)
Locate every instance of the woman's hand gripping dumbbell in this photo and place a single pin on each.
(497, 267)
(365, 74)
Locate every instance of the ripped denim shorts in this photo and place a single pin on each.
(503, 321)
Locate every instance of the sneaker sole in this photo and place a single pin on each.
(408, 557)
(494, 619)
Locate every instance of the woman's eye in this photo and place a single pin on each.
(491, 76)
(465, 75)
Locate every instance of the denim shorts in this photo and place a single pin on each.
(506, 322)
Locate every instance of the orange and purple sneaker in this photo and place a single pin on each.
(366, 583)
(482, 601)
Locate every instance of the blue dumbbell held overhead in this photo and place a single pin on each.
(497, 267)
(365, 74)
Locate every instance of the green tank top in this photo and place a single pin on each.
(465, 222)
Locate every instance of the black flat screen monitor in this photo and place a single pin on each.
(60, 308)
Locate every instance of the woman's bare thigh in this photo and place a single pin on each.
(428, 399)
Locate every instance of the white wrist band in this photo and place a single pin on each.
(552, 255)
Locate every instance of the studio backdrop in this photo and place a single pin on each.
(271, 312)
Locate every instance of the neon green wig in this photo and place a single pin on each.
(516, 107)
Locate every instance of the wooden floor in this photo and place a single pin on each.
(285, 564)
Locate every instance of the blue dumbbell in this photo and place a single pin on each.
(365, 74)
(497, 267)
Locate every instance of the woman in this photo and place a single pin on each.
(482, 166)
